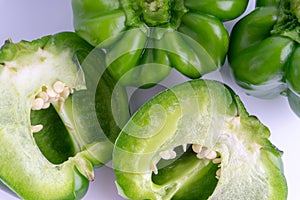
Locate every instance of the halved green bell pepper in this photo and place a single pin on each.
(54, 110)
(144, 39)
(263, 51)
(197, 141)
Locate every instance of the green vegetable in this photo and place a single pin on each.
(264, 51)
(145, 38)
(197, 141)
(51, 102)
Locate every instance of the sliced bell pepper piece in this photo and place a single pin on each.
(197, 141)
(49, 144)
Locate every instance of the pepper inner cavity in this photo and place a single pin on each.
(167, 158)
(50, 131)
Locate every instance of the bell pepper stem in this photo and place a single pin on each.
(152, 12)
(155, 12)
(295, 8)
(288, 20)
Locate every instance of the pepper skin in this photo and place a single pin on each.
(263, 51)
(49, 145)
(145, 39)
(197, 141)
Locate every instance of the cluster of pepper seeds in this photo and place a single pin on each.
(55, 94)
(209, 154)
(202, 152)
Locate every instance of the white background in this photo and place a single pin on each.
(32, 19)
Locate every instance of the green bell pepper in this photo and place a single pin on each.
(144, 39)
(197, 141)
(53, 107)
(263, 52)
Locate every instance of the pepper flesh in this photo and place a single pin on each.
(263, 51)
(28, 167)
(173, 33)
(204, 113)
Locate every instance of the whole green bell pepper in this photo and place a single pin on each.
(144, 39)
(263, 51)
(197, 141)
(53, 105)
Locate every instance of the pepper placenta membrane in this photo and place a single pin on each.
(50, 142)
(144, 39)
(197, 141)
(264, 51)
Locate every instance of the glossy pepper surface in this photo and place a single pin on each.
(144, 39)
(49, 142)
(197, 141)
(264, 51)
